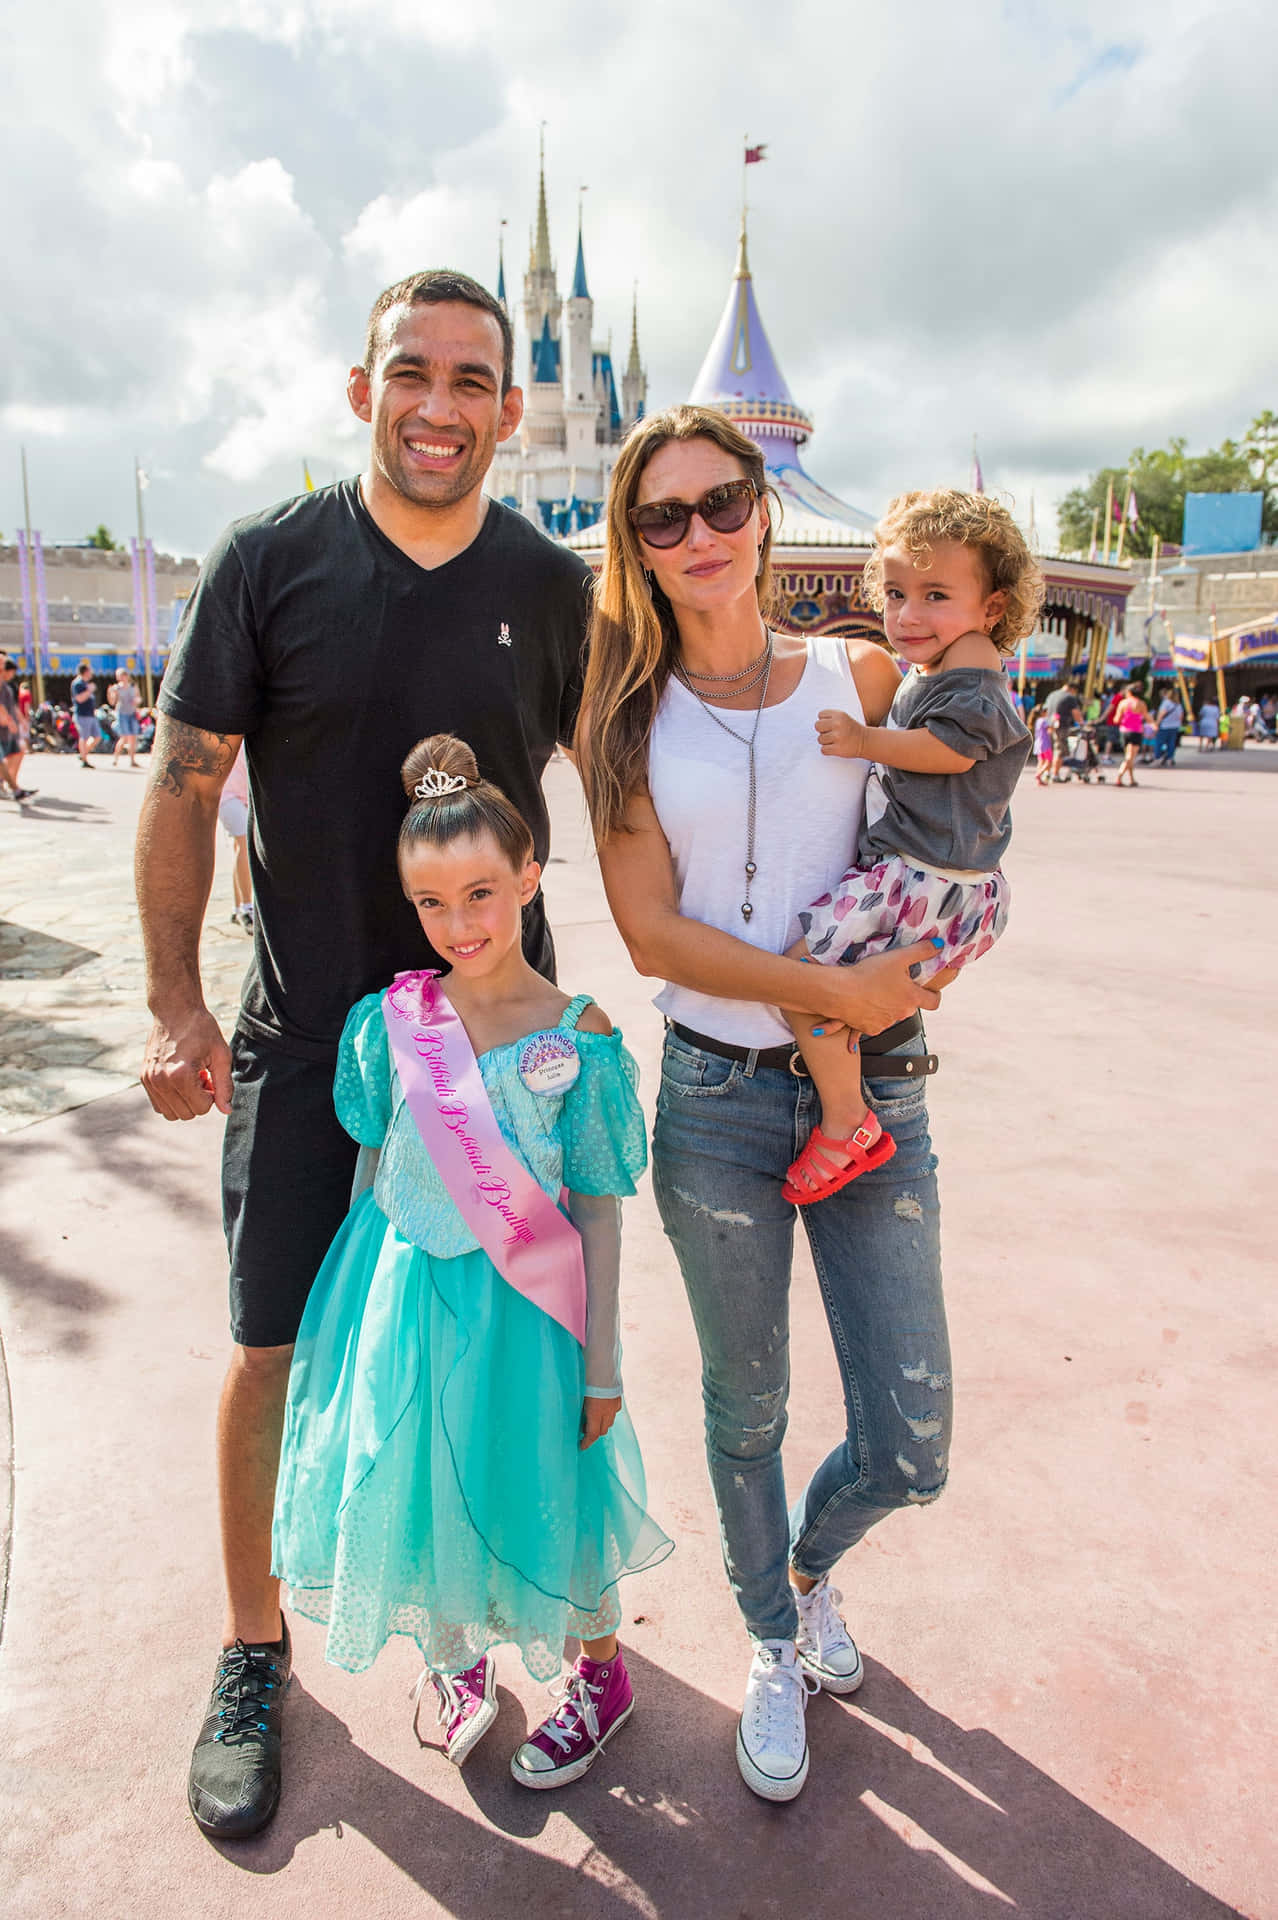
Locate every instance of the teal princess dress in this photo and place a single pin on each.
(431, 1482)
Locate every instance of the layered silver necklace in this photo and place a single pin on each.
(756, 674)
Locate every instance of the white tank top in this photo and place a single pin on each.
(807, 817)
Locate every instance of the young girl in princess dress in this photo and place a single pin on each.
(457, 1463)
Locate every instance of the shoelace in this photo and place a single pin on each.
(823, 1620)
(777, 1698)
(576, 1697)
(246, 1677)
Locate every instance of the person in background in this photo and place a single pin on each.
(1208, 726)
(1168, 722)
(1064, 711)
(84, 704)
(123, 697)
(12, 745)
(1041, 728)
(233, 815)
(1131, 716)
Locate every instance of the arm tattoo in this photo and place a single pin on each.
(181, 750)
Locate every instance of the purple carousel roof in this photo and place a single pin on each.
(741, 378)
(740, 375)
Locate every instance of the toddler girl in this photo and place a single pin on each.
(457, 1465)
(958, 587)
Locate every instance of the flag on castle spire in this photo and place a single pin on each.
(978, 478)
(753, 155)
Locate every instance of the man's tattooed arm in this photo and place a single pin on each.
(174, 862)
(181, 751)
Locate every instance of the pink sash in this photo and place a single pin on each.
(533, 1247)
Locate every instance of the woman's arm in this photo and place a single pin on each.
(876, 676)
(638, 877)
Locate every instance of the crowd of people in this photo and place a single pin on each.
(1130, 726)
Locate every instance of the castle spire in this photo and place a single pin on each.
(743, 258)
(580, 291)
(634, 369)
(501, 266)
(634, 381)
(541, 260)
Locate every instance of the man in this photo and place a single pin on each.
(330, 634)
(1168, 722)
(11, 742)
(1064, 713)
(84, 705)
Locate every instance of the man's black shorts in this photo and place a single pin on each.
(287, 1165)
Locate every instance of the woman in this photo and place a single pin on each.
(718, 819)
(1131, 717)
(123, 697)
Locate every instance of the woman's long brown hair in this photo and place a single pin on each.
(633, 636)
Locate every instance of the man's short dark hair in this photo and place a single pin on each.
(432, 289)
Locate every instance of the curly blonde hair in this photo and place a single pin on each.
(916, 521)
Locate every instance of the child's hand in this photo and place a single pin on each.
(840, 734)
(596, 1418)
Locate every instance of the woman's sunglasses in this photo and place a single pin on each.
(664, 523)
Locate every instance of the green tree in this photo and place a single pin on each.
(101, 537)
(1260, 450)
(1161, 478)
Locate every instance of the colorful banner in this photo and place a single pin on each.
(154, 657)
(28, 655)
(1258, 643)
(42, 602)
(139, 630)
(1192, 654)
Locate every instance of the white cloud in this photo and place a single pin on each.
(1051, 224)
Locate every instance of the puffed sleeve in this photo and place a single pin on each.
(602, 1128)
(971, 712)
(361, 1084)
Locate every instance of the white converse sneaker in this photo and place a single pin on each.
(825, 1648)
(772, 1747)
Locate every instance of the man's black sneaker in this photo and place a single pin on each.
(234, 1784)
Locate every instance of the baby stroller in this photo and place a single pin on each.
(1081, 760)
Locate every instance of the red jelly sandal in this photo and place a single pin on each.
(867, 1148)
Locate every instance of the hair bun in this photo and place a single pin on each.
(442, 753)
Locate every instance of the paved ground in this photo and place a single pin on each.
(1070, 1698)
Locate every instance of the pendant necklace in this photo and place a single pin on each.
(763, 677)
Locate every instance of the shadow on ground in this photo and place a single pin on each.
(905, 1813)
(57, 1298)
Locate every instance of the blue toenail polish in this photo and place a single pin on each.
(938, 944)
(818, 1032)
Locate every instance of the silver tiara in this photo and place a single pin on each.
(434, 785)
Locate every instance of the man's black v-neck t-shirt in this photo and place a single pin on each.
(318, 639)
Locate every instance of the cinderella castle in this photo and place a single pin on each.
(556, 469)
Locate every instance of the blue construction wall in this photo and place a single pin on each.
(1222, 522)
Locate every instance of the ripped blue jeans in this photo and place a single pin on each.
(724, 1138)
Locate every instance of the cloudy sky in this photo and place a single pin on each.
(1048, 222)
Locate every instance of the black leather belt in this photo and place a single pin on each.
(876, 1046)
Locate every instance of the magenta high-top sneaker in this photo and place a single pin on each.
(467, 1705)
(595, 1701)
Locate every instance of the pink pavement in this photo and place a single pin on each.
(1069, 1692)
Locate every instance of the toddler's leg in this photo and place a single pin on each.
(849, 1139)
(834, 1062)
